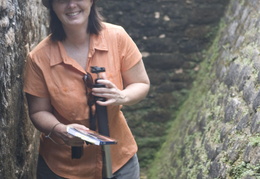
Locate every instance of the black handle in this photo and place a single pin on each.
(76, 152)
(101, 112)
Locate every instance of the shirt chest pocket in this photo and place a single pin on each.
(67, 91)
(70, 101)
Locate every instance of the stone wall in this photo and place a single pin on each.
(22, 25)
(172, 35)
(216, 134)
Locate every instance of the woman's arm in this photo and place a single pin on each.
(40, 111)
(136, 87)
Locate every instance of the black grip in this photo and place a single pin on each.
(76, 152)
(101, 112)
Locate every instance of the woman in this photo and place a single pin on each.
(57, 96)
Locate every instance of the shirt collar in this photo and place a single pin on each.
(98, 42)
(58, 53)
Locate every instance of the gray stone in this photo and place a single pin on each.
(251, 154)
(243, 123)
(214, 170)
(255, 126)
(243, 77)
(232, 75)
(256, 103)
(234, 153)
(247, 157)
(165, 61)
(230, 110)
(249, 92)
(211, 152)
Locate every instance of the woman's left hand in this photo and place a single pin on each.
(111, 93)
(136, 86)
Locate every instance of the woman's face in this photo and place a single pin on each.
(72, 13)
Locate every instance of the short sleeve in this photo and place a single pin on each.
(129, 52)
(34, 82)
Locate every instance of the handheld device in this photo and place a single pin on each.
(101, 112)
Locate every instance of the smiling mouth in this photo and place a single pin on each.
(72, 14)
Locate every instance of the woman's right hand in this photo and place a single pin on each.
(61, 131)
(40, 111)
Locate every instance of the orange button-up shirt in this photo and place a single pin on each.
(51, 73)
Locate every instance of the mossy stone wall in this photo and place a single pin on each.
(217, 131)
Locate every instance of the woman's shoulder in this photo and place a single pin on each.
(109, 26)
(114, 31)
(113, 28)
(43, 46)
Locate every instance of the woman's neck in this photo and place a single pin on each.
(76, 36)
(77, 47)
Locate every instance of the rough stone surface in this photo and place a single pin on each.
(226, 96)
(22, 25)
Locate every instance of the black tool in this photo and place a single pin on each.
(103, 126)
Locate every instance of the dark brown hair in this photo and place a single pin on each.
(56, 28)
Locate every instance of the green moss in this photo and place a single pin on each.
(254, 141)
(200, 128)
(183, 147)
(244, 169)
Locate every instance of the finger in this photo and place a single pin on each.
(105, 94)
(107, 83)
(109, 90)
(78, 126)
(107, 102)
